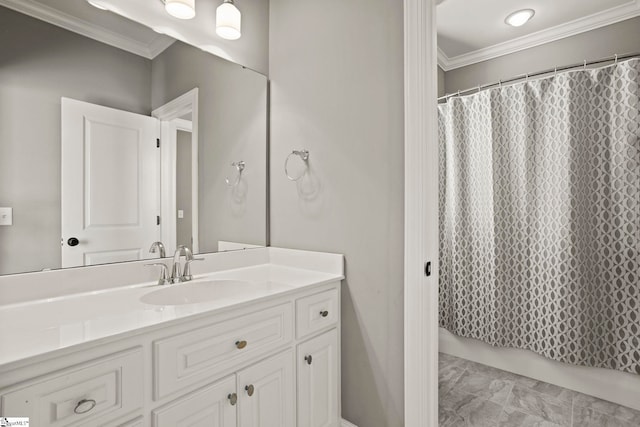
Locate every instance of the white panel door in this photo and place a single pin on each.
(318, 382)
(212, 406)
(110, 184)
(266, 393)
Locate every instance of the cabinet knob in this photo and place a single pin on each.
(308, 359)
(233, 399)
(73, 241)
(324, 313)
(250, 389)
(84, 406)
(241, 344)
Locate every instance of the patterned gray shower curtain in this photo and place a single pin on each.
(540, 216)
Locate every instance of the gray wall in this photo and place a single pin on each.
(39, 64)
(184, 231)
(623, 37)
(336, 71)
(441, 82)
(232, 127)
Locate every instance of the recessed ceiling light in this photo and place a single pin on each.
(97, 4)
(181, 9)
(519, 18)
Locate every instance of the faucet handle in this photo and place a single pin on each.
(164, 272)
(186, 275)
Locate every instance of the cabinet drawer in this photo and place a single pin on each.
(87, 394)
(210, 406)
(203, 354)
(316, 312)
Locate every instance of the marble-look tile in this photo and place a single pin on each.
(470, 410)
(539, 405)
(487, 387)
(445, 359)
(513, 418)
(447, 378)
(492, 372)
(607, 408)
(559, 393)
(587, 417)
(449, 418)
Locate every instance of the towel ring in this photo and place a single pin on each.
(239, 167)
(304, 156)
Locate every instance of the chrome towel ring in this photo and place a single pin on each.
(304, 156)
(239, 167)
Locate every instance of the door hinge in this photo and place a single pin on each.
(157, 142)
(158, 220)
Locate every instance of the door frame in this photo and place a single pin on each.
(421, 215)
(169, 116)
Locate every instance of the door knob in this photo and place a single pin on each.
(73, 241)
(233, 399)
(250, 389)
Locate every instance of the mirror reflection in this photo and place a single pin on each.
(108, 145)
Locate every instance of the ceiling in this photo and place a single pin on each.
(471, 31)
(80, 17)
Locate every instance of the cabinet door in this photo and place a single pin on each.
(318, 382)
(266, 396)
(212, 406)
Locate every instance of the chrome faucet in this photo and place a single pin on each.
(177, 273)
(158, 246)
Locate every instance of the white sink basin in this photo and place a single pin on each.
(196, 292)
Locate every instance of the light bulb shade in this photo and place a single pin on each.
(519, 18)
(228, 21)
(181, 9)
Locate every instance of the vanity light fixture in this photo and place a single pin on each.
(520, 17)
(181, 9)
(228, 21)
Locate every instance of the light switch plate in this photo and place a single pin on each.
(180, 213)
(6, 216)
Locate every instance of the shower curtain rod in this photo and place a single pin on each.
(584, 64)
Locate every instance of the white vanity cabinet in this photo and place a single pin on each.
(269, 363)
(319, 381)
(211, 406)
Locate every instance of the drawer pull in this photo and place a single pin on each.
(84, 406)
(324, 313)
(233, 399)
(308, 359)
(250, 389)
(241, 344)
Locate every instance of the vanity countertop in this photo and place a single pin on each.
(38, 327)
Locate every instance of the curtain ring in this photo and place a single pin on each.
(585, 65)
(500, 83)
(616, 63)
(527, 77)
(555, 71)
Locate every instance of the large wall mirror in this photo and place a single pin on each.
(114, 136)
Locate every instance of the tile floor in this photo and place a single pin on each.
(475, 395)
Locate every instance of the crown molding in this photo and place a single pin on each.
(68, 22)
(571, 28)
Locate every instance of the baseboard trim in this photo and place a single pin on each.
(614, 386)
(346, 423)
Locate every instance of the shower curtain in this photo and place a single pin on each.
(540, 216)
